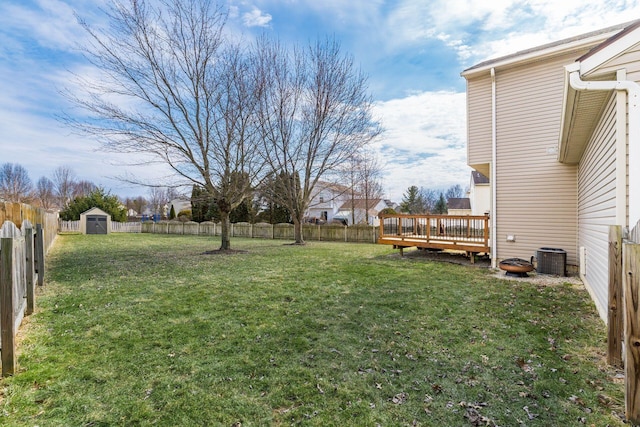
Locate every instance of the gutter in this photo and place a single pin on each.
(633, 91)
(494, 186)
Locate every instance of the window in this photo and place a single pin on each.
(321, 199)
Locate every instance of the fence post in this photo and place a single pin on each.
(615, 321)
(27, 230)
(7, 273)
(630, 266)
(39, 254)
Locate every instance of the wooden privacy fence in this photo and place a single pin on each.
(22, 265)
(326, 232)
(19, 212)
(624, 313)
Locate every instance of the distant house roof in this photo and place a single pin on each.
(459, 203)
(361, 203)
(332, 186)
(479, 178)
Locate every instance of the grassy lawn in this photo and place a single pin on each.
(148, 330)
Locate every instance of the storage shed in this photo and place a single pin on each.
(95, 221)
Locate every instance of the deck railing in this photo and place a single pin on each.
(463, 232)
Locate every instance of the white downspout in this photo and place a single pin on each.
(494, 186)
(633, 91)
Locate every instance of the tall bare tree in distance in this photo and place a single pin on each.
(64, 182)
(315, 114)
(369, 173)
(15, 183)
(173, 90)
(45, 193)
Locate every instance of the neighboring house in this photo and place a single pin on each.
(327, 200)
(557, 130)
(179, 205)
(459, 206)
(358, 211)
(479, 194)
(392, 205)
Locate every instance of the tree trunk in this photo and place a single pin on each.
(297, 230)
(226, 231)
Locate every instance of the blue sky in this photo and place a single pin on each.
(412, 50)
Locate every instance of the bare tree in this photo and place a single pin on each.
(64, 181)
(83, 188)
(188, 96)
(454, 192)
(429, 199)
(45, 193)
(15, 184)
(361, 173)
(157, 200)
(138, 204)
(370, 172)
(315, 114)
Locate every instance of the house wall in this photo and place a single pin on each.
(331, 202)
(536, 198)
(459, 212)
(630, 63)
(479, 128)
(480, 196)
(597, 204)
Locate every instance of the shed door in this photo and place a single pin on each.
(96, 224)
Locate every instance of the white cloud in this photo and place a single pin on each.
(52, 24)
(481, 29)
(256, 18)
(424, 143)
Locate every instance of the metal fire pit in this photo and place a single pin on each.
(516, 267)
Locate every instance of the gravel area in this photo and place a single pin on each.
(484, 262)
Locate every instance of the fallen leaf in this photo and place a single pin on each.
(399, 398)
(529, 414)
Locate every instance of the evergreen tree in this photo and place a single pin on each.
(412, 201)
(200, 204)
(97, 198)
(441, 206)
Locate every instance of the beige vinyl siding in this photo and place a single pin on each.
(479, 121)
(630, 61)
(536, 195)
(597, 203)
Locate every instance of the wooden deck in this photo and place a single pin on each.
(455, 232)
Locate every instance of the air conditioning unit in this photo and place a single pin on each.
(551, 261)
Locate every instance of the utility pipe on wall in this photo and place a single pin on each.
(633, 90)
(494, 159)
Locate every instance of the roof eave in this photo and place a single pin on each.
(588, 65)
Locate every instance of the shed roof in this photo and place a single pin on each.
(95, 211)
